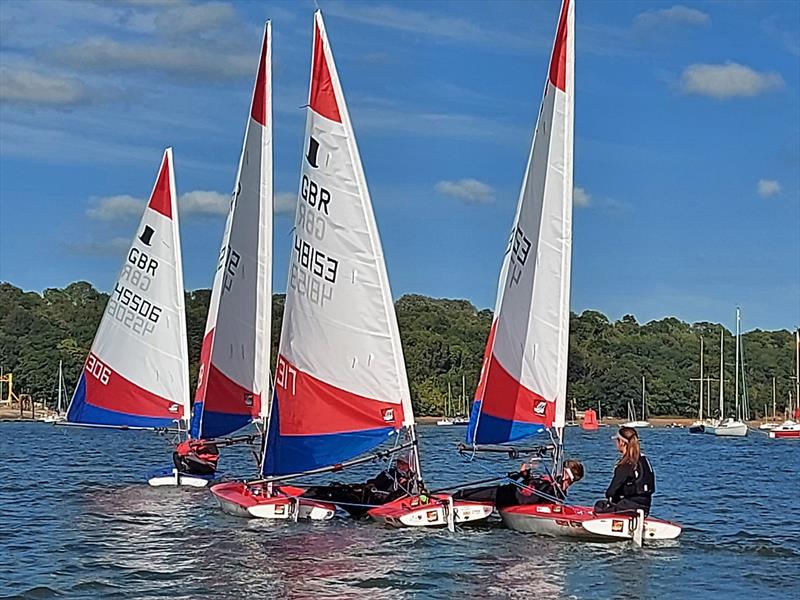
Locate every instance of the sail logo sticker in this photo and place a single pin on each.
(173, 408)
(147, 235)
(313, 151)
(540, 407)
(248, 399)
(617, 526)
(388, 415)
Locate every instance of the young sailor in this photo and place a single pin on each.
(532, 488)
(196, 457)
(634, 480)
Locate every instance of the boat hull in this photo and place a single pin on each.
(785, 434)
(284, 503)
(735, 430)
(581, 522)
(411, 511)
(173, 477)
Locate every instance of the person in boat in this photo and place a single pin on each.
(196, 457)
(527, 488)
(358, 498)
(634, 480)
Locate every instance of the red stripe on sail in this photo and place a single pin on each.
(506, 398)
(105, 388)
(259, 108)
(317, 408)
(322, 98)
(220, 393)
(487, 356)
(160, 200)
(558, 62)
(205, 362)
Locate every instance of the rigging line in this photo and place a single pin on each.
(544, 495)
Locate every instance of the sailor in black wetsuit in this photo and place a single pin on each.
(532, 488)
(634, 480)
(358, 498)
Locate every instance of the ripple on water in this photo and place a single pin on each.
(98, 532)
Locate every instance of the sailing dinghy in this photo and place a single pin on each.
(235, 355)
(341, 388)
(523, 384)
(137, 373)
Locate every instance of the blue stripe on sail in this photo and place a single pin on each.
(216, 424)
(287, 454)
(81, 411)
(207, 424)
(494, 430)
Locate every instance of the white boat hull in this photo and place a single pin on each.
(172, 477)
(582, 523)
(285, 503)
(636, 424)
(411, 511)
(727, 429)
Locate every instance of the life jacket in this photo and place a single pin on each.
(204, 451)
(184, 448)
(644, 479)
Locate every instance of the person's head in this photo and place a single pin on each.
(572, 472)
(627, 440)
(401, 464)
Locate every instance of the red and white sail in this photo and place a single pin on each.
(341, 385)
(137, 372)
(235, 356)
(523, 381)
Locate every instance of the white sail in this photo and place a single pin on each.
(341, 383)
(524, 377)
(235, 358)
(137, 372)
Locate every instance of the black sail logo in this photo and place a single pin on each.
(313, 151)
(147, 235)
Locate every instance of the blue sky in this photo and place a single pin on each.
(687, 140)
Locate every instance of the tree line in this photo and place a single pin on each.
(443, 341)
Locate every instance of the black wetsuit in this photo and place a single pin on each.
(358, 498)
(631, 488)
(512, 494)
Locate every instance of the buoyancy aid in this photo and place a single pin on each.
(644, 480)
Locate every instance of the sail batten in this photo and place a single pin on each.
(136, 373)
(522, 388)
(341, 387)
(235, 355)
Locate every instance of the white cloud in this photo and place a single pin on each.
(112, 208)
(728, 81)
(674, 15)
(104, 54)
(201, 202)
(179, 18)
(767, 188)
(284, 203)
(440, 27)
(27, 87)
(113, 247)
(197, 202)
(471, 191)
(580, 197)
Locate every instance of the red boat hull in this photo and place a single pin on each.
(433, 511)
(283, 502)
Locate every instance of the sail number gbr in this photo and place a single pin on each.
(313, 272)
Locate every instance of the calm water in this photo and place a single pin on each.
(78, 522)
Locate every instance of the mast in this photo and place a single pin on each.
(721, 373)
(60, 387)
(736, 377)
(774, 403)
(644, 418)
(700, 414)
(797, 364)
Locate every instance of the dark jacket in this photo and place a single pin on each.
(635, 483)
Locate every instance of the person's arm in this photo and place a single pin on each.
(622, 473)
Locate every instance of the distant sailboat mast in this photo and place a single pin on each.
(736, 377)
(700, 414)
(721, 373)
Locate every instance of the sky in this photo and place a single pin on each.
(687, 140)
